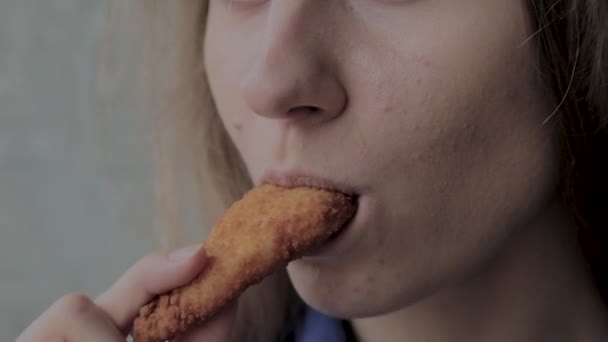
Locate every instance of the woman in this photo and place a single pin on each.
(473, 132)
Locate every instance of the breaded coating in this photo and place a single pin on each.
(257, 236)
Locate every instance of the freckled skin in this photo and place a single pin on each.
(431, 109)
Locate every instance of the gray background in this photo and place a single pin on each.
(76, 189)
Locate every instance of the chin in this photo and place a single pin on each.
(350, 295)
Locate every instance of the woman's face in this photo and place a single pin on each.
(428, 110)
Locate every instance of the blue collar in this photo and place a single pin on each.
(317, 327)
(305, 324)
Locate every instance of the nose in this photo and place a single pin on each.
(292, 76)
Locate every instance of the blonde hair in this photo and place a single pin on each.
(196, 152)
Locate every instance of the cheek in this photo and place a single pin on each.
(464, 140)
(239, 124)
(454, 105)
(224, 67)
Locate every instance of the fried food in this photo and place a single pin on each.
(257, 236)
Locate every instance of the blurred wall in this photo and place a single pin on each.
(75, 180)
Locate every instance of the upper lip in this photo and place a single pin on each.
(297, 178)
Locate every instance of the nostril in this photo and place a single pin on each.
(304, 110)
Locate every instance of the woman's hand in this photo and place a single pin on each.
(75, 317)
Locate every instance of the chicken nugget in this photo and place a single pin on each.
(257, 236)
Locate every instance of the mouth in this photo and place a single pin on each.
(294, 179)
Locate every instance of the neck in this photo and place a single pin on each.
(536, 288)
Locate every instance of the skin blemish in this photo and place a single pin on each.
(238, 126)
(423, 61)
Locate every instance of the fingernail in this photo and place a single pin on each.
(184, 253)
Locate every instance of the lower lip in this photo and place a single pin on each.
(345, 238)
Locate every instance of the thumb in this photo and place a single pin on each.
(152, 275)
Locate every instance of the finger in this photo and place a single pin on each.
(74, 317)
(217, 329)
(90, 323)
(152, 275)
